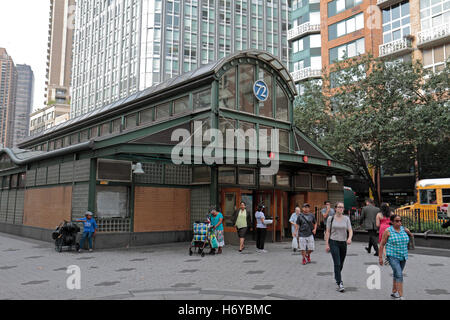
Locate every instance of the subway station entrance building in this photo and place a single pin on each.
(89, 162)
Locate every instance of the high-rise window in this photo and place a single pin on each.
(347, 50)
(396, 22)
(337, 6)
(208, 33)
(224, 28)
(256, 26)
(434, 13)
(435, 58)
(240, 25)
(346, 26)
(190, 35)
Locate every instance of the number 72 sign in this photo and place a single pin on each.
(261, 90)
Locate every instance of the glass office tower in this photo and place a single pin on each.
(123, 46)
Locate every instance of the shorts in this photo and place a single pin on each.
(397, 266)
(306, 243)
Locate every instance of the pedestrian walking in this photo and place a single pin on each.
(396, 239)
(242, 221)
(368, 221)
(306, 227)
(339, 234)
(89, 230)
(327, 212)
(261, 229)
(383, 221)
(293, 222)
(216, 220)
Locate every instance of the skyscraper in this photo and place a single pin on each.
(59, 52)
(24, 103)
(122, 46)
(305, 41)
(8, 83)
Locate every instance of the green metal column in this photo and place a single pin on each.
(92, 185)
(214, 187)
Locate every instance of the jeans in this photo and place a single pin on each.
(373, 240)
(86, 235)
(397, 266)
(260, 237)
(338, 251)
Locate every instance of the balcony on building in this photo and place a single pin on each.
(395, 48)
(303, 30)
(306, 73)
(433, 36)
(387, 3)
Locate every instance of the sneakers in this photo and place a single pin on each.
(340, 287)
(395, 295)
(263, 251)
(90, 250)
(304, 261)
(308, 258)
(367, 249)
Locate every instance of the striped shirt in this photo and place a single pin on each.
(397, 244)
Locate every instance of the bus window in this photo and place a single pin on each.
(445, 195)
(428, 196)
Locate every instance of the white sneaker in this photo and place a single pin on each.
(263, 251)
(395, 295)
(340, 287)
(401, 298)
(90, 250)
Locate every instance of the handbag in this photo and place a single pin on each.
(411, 243)
(295, 243)
(214, 242)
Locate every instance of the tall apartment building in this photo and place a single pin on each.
(305, 41)
(47, 117)
(59, 52)
(417, 29)
(24, 103)
(349, 29)
(123, 46)
(8, 83)
(395, 30)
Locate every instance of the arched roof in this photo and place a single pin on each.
(211, 69)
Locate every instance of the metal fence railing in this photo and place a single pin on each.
(418, 220)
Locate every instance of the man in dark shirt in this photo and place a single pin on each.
(306, 227)
(369, 222)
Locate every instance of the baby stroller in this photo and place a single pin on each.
(201, 239)
(65, 235)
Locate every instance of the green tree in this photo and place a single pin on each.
(371, 113)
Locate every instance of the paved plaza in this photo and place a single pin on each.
(31, 269)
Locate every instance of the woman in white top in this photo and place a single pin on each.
(261, 229)
(339, 234)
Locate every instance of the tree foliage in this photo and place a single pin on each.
(371, 113)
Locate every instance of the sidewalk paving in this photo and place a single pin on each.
(31, 269)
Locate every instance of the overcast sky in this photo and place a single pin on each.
(24, 34)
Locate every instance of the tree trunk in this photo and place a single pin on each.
(366, 174)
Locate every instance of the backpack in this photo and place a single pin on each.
(311, 227)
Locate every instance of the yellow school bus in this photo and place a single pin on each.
(432, 195)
